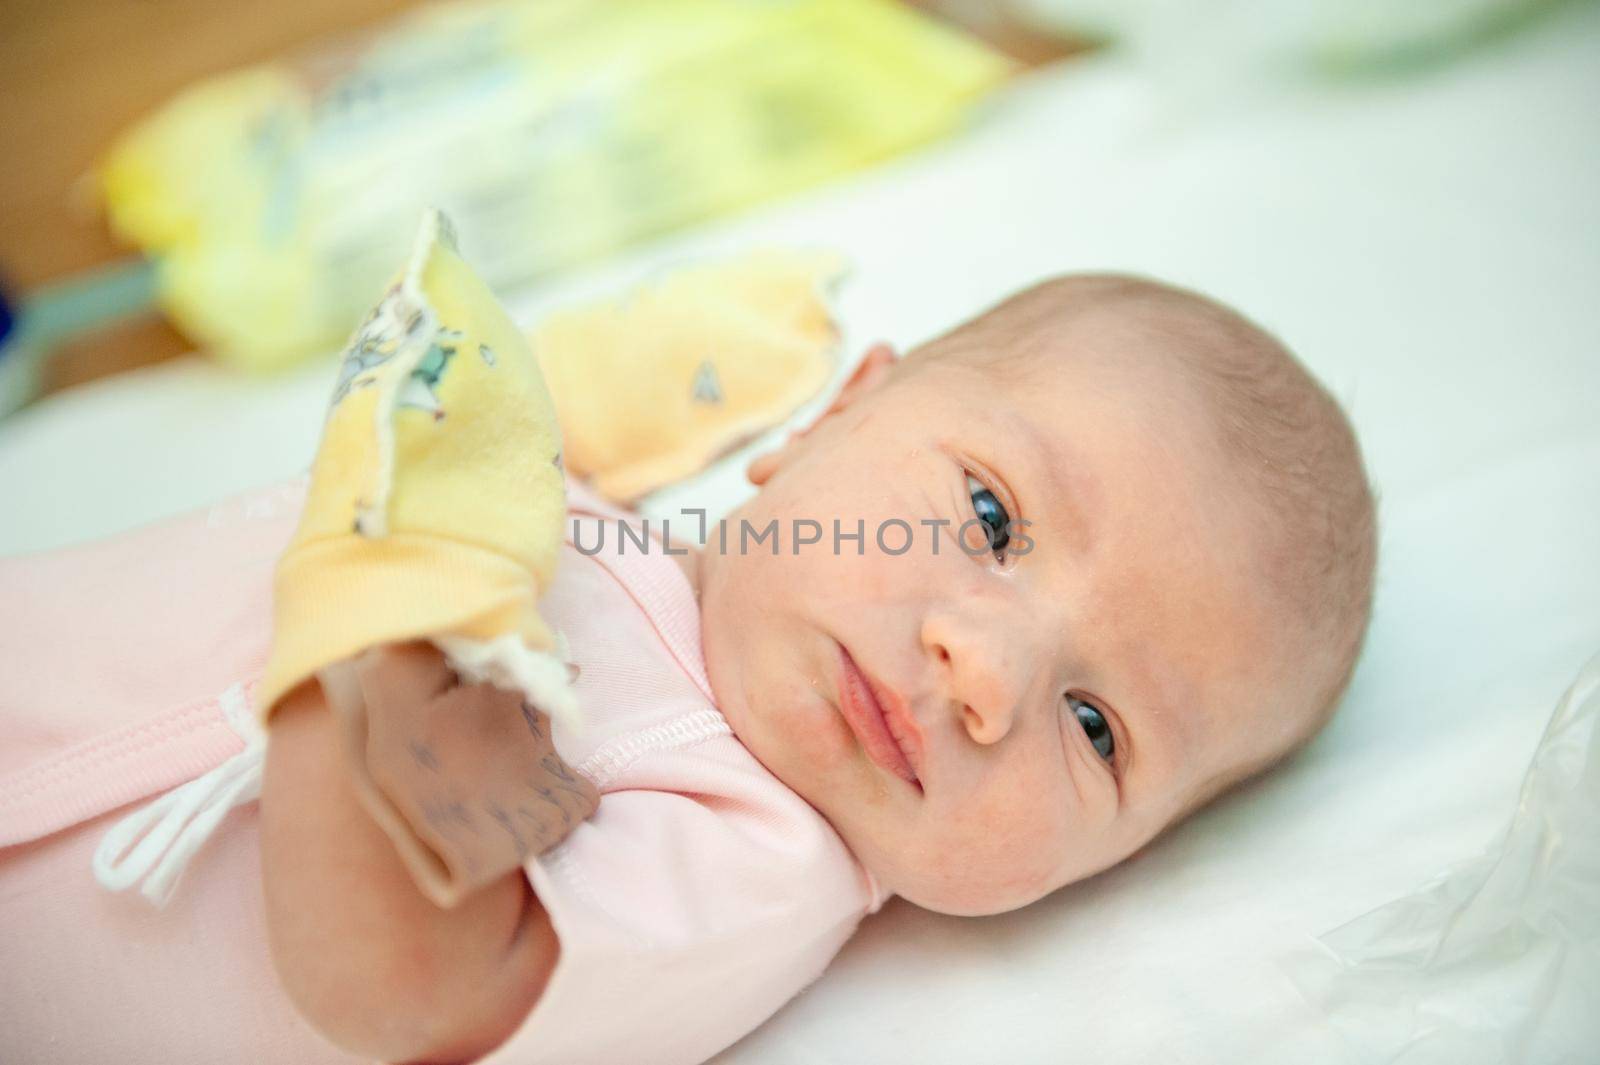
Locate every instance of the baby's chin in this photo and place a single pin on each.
(970, 901)
(957, 890)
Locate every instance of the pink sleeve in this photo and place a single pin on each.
(686, 920)
(118, 657)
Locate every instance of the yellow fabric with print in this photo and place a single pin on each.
(655, 387)
(437, 499)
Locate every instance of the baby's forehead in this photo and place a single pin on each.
(1086, 393)
(1148, 348)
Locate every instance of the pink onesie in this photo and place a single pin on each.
(700, 897)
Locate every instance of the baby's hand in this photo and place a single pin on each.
(463, 777)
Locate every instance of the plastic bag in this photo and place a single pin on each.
(1497, 962)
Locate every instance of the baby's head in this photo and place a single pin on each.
(1181, 610)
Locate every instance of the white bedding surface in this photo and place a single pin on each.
(1430, 246)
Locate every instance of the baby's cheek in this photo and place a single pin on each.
(1015, 825)
(876, 576)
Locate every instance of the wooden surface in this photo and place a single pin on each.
(74, 73)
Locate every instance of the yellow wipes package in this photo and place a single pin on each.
(274, 200)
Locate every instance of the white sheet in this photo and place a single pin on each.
(1430, 246)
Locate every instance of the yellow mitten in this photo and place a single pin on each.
(437, 497)
(434, 513)
(654, 388)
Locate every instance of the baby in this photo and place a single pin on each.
(1015, 604)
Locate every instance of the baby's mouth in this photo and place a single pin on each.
(862, 711)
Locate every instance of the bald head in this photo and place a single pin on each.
(1289, 447)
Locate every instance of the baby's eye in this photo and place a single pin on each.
(1094, 726)
(991, 513)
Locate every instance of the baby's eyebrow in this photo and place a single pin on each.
(1058, 499)
(1164, 719)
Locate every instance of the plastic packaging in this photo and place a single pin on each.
(1498, 961)
(277, 198)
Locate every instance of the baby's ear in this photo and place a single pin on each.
(762, 467)
(868, 374)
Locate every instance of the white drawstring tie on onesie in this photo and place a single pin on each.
(155, 842)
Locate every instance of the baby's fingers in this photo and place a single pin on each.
(474, 773)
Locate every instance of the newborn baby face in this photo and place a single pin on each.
(982, 726)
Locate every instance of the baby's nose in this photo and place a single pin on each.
(982, 676)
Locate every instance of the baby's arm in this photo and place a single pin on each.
(366, 957)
